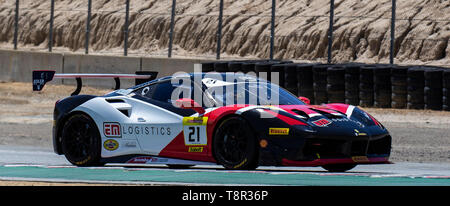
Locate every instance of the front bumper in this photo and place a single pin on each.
(323, 150)
(352, 160)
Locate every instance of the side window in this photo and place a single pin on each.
(163, 92)
(147, 91)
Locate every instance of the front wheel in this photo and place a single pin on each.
(81, 141)
(234, 145)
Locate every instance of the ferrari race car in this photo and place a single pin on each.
(235, 120)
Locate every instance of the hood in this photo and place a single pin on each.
(329, 120)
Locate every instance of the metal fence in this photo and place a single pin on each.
(272, 37)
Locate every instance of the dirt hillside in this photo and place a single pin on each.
(362, 28)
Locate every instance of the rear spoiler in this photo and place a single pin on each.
(41, 77)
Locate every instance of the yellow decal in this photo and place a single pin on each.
(111, 144)
(278, 131)
(357, 133)
(195, 120)
(195, 149)
(360, 159)
(194, 131)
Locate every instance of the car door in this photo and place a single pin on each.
(156, 121)
(159, 122)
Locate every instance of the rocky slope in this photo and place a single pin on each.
(362, 28)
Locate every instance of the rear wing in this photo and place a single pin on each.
(41, 77)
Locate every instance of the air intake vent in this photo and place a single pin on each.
(301, 114)
(125, 112)
(326, 114)
(121, 105)
(115, 100)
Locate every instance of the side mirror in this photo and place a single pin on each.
(187, 103)
(305, 100)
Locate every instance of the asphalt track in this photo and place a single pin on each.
(34, 164)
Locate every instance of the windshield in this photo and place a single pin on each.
(249, 93)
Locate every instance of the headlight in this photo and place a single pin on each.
(365, 118)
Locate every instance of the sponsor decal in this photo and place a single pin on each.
(195, 120)
(348, 120)
(146, 159)
(358, 133)
(111, 129)
(360, 159)
(140, 160)
(321, 122)
(194, 131)
(130, 144)
(278, 131)
(195, 149)
(145, 130)
(111, 144)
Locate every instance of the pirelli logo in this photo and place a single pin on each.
(278, 131)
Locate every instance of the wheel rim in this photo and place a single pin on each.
(233, 143)
(79, 139)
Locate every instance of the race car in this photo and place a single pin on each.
(239, 122)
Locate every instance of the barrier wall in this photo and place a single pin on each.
(167, 67)
(78, 63)
(367, 85)
(413, 87)
(18, 66)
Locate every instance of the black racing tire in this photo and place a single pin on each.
(338, 167)
(81, 141)
(234, 145)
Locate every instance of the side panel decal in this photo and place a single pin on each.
(194, 130)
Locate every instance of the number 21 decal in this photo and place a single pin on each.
(194, 130)
(194, 136)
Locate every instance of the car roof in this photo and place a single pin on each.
(240, 77)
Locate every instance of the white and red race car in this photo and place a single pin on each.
(215, 121)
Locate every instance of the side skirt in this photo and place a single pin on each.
(149, 160)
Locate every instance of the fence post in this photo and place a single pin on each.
(172, 23)
(330, 31)
(391, 52)
(125, 30)
(272, 29)
(219, 30)
(16, 24)
(50, 32)
(88, 27)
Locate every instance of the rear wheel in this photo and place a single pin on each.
(234, 145)
(81, 141)
(339, 167)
